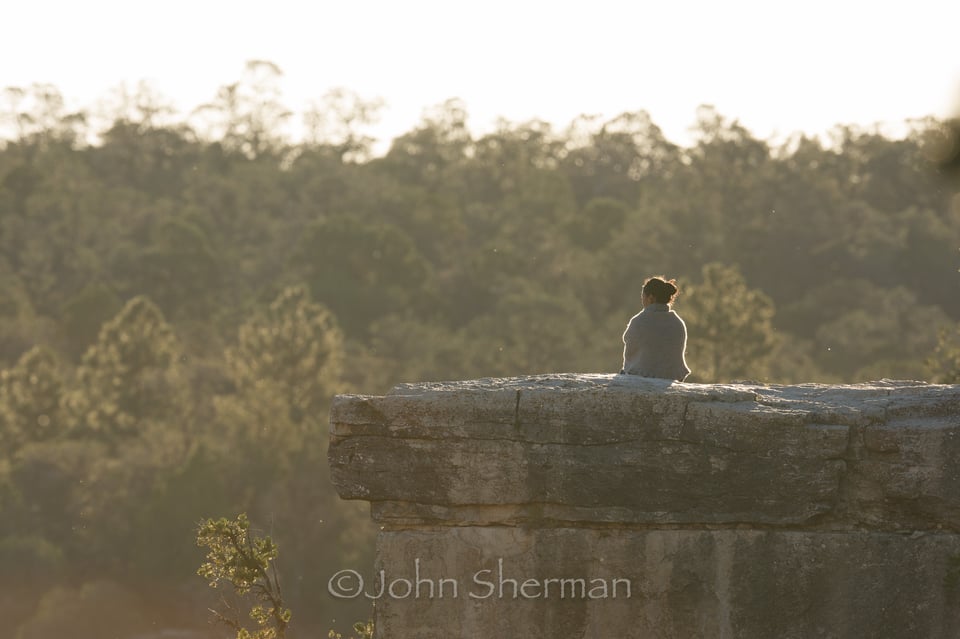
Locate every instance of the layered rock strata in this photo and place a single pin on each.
(617, 506)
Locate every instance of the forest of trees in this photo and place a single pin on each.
(181, 297)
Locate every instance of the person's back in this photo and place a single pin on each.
(655, 341)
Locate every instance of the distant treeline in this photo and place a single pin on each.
(179, 303)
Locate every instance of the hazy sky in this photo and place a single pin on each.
(778, 67)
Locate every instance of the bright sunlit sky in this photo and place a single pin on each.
(778, 67)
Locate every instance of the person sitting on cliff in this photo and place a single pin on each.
(655, 342)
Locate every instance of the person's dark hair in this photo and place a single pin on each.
(663, 290)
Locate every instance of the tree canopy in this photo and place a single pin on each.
(181, 297)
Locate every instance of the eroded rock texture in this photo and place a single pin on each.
(616, 506)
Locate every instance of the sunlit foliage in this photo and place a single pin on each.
(244, 563)
(181, 297)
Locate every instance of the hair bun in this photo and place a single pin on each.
(662, 290)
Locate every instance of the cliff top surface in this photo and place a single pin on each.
(593, 449)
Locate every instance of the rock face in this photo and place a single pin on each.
(610, 506)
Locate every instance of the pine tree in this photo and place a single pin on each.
(730, 326)
(295, 346)
(30, 394)
(131, 375)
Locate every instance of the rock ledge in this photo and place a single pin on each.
(733, 510)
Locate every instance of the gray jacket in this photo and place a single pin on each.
(654, 344)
